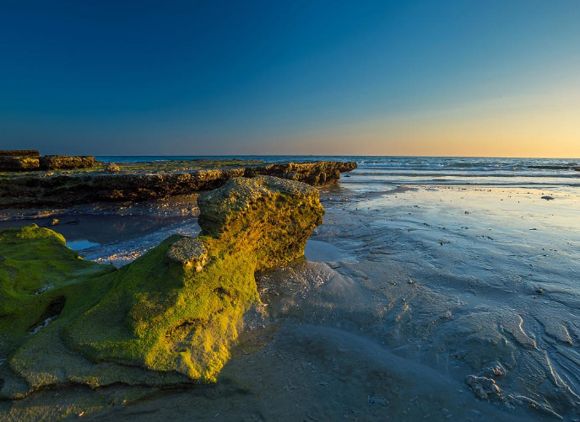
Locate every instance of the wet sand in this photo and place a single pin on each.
(405, 293)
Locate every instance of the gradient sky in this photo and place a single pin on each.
(428, 77)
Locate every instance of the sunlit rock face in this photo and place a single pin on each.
(169, 317)
(269, 216)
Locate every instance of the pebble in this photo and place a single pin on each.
(377, 400)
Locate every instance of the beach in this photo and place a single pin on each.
(415, 300)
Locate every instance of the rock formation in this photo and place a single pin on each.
(19, 160)
(9, 163)
(82, 187)
(30, 160)
(112, 168)
(169, 317)
(60, 162)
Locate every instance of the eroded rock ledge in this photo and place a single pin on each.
(26, 160)
(169, 317)
(72, 189)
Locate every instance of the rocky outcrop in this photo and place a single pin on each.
(29, 160)
(170, 317)
(287, 211)
(80, 188)
(10, 163)
(60, 162)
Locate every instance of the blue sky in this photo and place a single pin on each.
(425, 77)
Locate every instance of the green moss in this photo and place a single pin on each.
(170, 316)
(185, 324)
(35, 270)
(271, 217)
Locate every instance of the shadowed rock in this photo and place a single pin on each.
(10, 163)
(169, 317)
(82, 187)
(31, 153)
(28, 160)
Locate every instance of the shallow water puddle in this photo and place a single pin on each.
(319, 251)
(79, 245)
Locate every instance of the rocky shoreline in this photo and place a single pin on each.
(169, 318)
(19, 190)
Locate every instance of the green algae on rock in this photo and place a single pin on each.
(38, 275)
(169, 317)
(270, 216)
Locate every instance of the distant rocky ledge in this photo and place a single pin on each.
(31, 160)
(168, 318)
(149, 181)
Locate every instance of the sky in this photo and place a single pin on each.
(373, 77)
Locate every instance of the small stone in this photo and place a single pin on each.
(377, 400)
(189, 253)
(483, 387)
(112, 168)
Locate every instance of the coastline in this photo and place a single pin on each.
(424, 286)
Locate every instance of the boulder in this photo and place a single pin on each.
(284, 210)
(170, 317)
(62, 162)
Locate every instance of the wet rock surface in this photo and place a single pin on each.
(67, 189)
(168, 318)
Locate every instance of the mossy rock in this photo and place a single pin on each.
(270, 216)
(39, 276)
(169, 317)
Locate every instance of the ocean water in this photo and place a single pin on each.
(429, 170)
